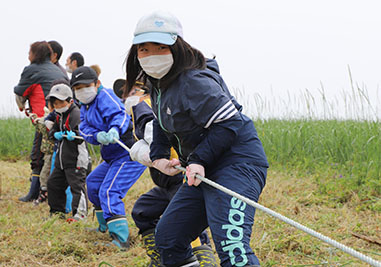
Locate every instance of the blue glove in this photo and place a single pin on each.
(102, 138)
(70, 135)
(58, 135)
(112, 133)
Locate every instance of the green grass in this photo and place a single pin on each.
(343, 155)
(16, 138)
(29, 237)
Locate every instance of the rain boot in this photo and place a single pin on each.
(69, 199)
(205, 256)
(34, 189)
(150, 247)
(101, 220)
(190, 262)
(118, 229)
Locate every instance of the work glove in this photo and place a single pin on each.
(192, 170)
(112, 133)
(167, 166)
(102, 138)
(49, 124)
(33, 117)
(58, 135)
(140, 152)
(70, 135)
(20, 101)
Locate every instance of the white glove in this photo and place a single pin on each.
(192, 170)
(49, 124)
(140, 152)
(167, 166)
(148, 132)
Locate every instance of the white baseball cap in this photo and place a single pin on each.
(60, 91)
(158, 27)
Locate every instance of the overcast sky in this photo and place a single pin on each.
(273, 49)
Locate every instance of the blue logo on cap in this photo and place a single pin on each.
(159, 23)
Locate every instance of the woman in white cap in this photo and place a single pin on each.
(196, 114)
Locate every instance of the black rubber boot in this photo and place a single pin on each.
(150, 247)
(205, 256)
(190, 262)
(33, 191)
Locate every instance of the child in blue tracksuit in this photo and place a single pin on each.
(104, 119)
(196, 114)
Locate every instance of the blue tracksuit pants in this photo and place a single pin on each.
(108, 184)
(230, 220)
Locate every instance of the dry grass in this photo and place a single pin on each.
(29, 237)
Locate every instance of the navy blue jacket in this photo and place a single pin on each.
(198, 116)
(106, 111)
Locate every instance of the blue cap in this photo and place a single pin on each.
(158, 27)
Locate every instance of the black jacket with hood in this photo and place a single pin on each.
(70, 154)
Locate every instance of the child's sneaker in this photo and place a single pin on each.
(76, 218)
(42, 197)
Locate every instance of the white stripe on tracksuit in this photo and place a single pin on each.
(225, 112)
(113, 180)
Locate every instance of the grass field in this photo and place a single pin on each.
(28, 237)
(324, 174)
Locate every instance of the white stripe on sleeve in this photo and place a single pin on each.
(221, 113)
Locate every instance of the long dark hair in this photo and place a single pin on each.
(41, 51)
(185, 57)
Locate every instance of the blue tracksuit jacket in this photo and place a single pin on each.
(106, 112)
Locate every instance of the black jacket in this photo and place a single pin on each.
(70, 154)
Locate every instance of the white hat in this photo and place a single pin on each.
(60, 91)
(158, 27)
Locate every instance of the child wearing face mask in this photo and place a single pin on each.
(104, 120)
(196, 114)
(71, 157)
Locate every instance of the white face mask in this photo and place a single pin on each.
(86, 95)
(62, 110)
(156, 66)
(130, 102)
(68, 69)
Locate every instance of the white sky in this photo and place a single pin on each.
(272, 48)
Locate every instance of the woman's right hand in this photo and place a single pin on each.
(167, 166)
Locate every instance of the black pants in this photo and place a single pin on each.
(36, 156)
(151, 205)
(58, 182)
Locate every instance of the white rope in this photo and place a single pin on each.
(75, 136)
(279, 216)
(115, 139)
(122, 145)
(289, 221)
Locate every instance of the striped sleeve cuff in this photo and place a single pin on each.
(224, 113)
